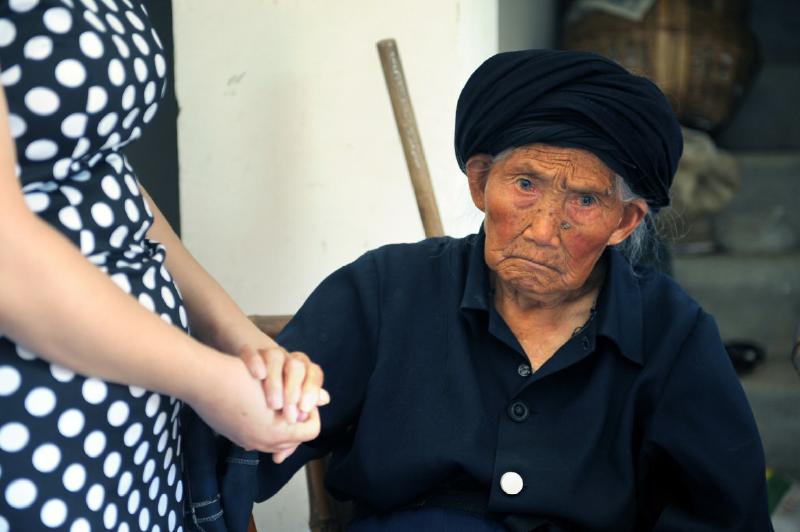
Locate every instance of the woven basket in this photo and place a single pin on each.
(697, 51)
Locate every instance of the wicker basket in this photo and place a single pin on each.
(698, 52)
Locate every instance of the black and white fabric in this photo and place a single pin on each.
(82, 78)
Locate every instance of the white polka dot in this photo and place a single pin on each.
(149, 469)
(9, 380)
(147, 302)
(122, 47)
(95, 497)
(87, 242)
(80, 150)
(54, 513)
(58, 20)
(73, 195)
(94, 391)
(115, 24)
(70, 73)
(38, 48)
(133, 502)
(135, 21)
(149, 281)
(41, 150)
(11, 75)
(150, 113)
(111, 464)
(131, 184)
(128, 97)
(16, 125)
(61, 168)
(123, 527)
(90, 4)
(110, 516)
(13, 437)
(116, 72)
(20, 493)
(8, 32)
(153, 490)
(151, 407)
(107, 124)
(167, 296)
(117, 237)
(171, 475)
(162, 504)
(141, 453)
(144, 519)
(141, 44)
(162, 441)
(136, 391)
(21, 6)
(94, 444)
(150, 92)
(171, 520)
(60, 373)
(102, 214)
(80, 525)
(168, 458)
(91, 45)
(118, 413)
(179, 491)
(74, 477)
(70, 423)
(111, 187)
(128, 121)
(37, 202)
(42, 101)
(124, 485)
(92, 19)
(97, 99)
(166, 318)
(133, 434)
(161, 65)
(142, 230)
(25, 354)
(40, 401)
(140, 69)
(70, 218)
(112, 141)
(46, 457)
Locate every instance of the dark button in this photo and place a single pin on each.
(518, 411)
(586, 343)
(524, 370)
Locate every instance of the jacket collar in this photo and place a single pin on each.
(619, 305)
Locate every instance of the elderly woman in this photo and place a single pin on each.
(528, 377)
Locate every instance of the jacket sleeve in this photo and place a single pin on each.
(337, 327)
(711, 473)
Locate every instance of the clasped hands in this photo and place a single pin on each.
(265, 399)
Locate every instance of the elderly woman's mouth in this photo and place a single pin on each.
(548, 265)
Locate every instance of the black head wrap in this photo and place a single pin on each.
(576, 100)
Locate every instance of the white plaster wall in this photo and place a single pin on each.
(290, 162)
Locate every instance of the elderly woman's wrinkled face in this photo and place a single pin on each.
(550, 213)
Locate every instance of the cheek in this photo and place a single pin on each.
(583, 250)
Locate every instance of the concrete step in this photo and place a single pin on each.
(764, 216)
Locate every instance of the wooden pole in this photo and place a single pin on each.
(409, 136)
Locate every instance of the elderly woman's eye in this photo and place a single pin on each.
(587, 200)
(525, 184)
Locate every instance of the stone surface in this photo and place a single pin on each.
(764, 216)
(757, 298)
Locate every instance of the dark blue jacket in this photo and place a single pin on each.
(638, 422)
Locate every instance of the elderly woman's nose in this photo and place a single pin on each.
(543, 226)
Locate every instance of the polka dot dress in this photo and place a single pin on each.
(82, 78)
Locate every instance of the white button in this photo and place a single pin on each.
(511, 483)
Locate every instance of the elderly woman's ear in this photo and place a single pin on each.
(633, 212)
(478, 167)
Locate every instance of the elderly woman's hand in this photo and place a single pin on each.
(291, 381)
